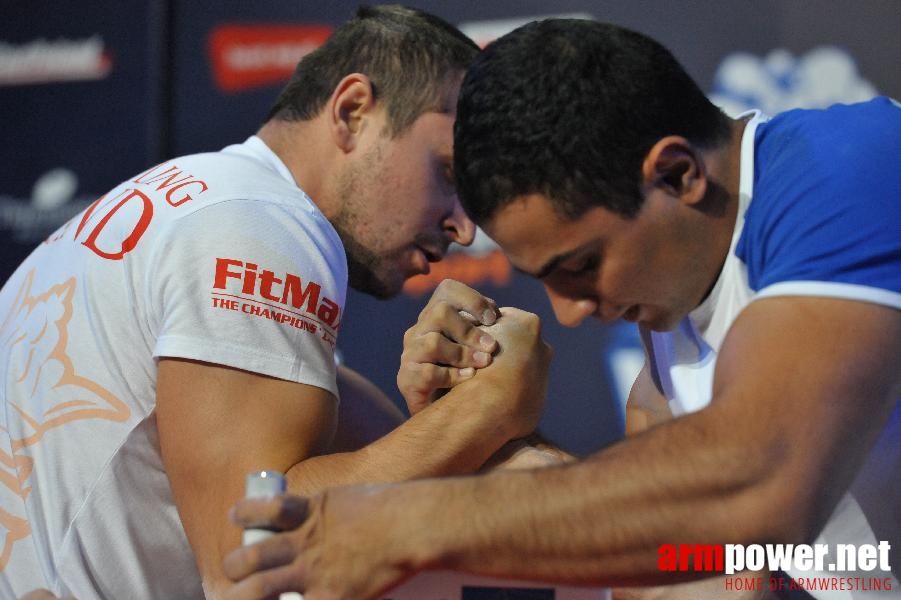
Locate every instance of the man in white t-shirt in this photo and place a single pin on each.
(180, 332)
(761, 260)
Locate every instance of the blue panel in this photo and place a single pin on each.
(80, 100)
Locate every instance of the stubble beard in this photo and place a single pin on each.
(367, 271)
(364, 267)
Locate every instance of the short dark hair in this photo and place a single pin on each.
(408, 54)
(568, 108)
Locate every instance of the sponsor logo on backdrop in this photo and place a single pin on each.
(52, 202)
(54, 61)
(780, 81)
(113, 225)
(245, 57)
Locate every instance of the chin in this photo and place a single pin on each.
(661, 323)
(377, 287)
(379, 291)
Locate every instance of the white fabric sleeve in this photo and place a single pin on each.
(254, 285)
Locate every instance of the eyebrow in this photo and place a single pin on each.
(550, 265)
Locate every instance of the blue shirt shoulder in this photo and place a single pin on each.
(826, 203)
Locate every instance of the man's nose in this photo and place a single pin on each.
(570, 309)
(458, 226)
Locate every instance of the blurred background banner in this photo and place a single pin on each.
(94, 92)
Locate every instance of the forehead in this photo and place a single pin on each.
(442, 96)
(451, 92)
(435, 126)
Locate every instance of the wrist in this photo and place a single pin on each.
(481, 406)
(416, 530)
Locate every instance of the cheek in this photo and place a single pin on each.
(632, 282)
(642, 266)
(418, 180)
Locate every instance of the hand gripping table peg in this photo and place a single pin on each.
(265, 484)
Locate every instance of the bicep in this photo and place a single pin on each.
(807, 384)
(365, 413)
(216, 424)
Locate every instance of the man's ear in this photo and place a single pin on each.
(675, 165)
(348, 107)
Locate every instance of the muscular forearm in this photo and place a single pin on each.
(600, 521)
(766, 462)
(453, 436)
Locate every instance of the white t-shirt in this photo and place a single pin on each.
(217, 257)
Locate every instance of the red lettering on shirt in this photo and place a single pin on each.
(131, 239)
(170, 179)
(288, 289)
(113, 241)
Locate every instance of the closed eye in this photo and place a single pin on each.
(444, 173)
(582, 266)
(449, 174)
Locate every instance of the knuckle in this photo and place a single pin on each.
(444, 310)
(432, 342)
(531, 317)
(450, 284)
(406, 386)
(429, 307)
(473, 336)
(443, 290)
(433, 373)
(410, 352)
(532, 321)
(463, 356)
(411, 372)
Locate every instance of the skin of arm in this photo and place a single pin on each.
(530, 452)
(647, 407)
(802, 388)
(365, 413)
(216, 424)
